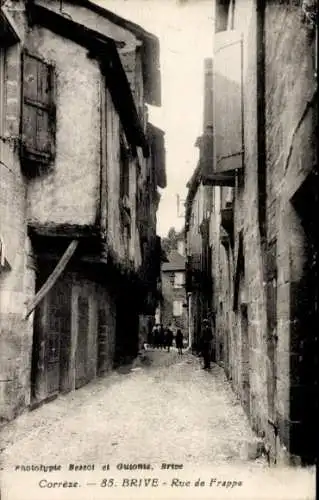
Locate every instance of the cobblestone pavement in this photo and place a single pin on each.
(163, 409)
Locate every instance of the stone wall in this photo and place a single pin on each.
(273, 266)
(291, 149)
(17, 275)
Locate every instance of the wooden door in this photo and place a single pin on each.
(51, 343)
(46, 353)
(81, 353)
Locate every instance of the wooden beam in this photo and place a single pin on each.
(219, 179)
(74, 231)
(46, 287)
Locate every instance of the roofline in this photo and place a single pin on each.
(99, 47)
(152, 132)
(150, 49)
(192, 185)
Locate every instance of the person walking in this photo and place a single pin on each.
(161, 337)
(206, 341)
(179, 341)
(156, 336)
(168, 338)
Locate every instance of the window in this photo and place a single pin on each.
(124, 198)
(225, 11)
(124, 168)
(222, 12)
(4, 264)
(38, 110)
(231, 15)
(228, 101)
(177, 308)
(179, 280)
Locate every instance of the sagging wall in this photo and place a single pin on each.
(69, 191)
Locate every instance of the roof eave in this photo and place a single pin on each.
(150, 50)
(99, 47)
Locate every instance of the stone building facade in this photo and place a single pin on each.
(260, 161)
(77, 171)
(173, 310)
(199, 264)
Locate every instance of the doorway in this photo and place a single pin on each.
(245, 358)
(304, 330)
(51, 341)
(272, 338)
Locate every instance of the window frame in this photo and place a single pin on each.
(180, 308)
(179, 283)
(124, 191)
(27, 152)
(124, 168)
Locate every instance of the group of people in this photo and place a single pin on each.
(162, 338)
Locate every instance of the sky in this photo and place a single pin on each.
(185, 32)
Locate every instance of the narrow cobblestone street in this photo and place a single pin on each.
(162, 409)
(180, 412)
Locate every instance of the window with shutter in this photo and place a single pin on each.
(177, 308)
(124, 198)
(179, 280)
(124, 168)
(228, 101)
(224, 143)
(38, 110)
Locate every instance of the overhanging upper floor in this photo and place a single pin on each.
(104, 49)
(99, 18)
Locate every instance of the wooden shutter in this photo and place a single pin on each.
(38, 113)
(228, 101)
